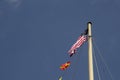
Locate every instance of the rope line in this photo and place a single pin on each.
(76, 62)
(74, 58)
(99, 78)
(103, 60)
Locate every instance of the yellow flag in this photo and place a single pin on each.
(60, 78)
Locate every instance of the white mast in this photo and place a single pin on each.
(90, 55)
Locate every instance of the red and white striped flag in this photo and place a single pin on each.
(77, 44)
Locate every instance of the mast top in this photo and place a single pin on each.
(89, 23)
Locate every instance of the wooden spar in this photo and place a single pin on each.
(90, 54)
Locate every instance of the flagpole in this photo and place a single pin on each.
(90, 55)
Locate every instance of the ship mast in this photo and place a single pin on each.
(90, 54)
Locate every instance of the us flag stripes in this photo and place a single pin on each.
(78, 43)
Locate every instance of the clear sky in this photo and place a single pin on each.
(35, 36)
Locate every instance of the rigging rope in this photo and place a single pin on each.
(74, 58)
(76, 62)
(94, 43)
(94, 56)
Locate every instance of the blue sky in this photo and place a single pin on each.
(35, 36)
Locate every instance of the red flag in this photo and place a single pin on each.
(77, 44)
(65, 65)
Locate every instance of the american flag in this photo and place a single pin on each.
(77, 44)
